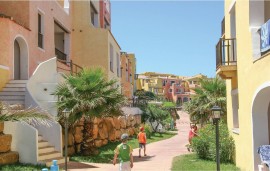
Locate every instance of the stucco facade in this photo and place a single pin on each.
(127, 88)
(92, 45)
(21, 26)
(247, 75)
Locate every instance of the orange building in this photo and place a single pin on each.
(126, 75)
(32, 32)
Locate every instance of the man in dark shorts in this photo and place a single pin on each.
(142, 141)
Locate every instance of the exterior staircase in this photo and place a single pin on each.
(47, 153)
(14, 92)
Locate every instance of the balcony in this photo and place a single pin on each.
(226, 59)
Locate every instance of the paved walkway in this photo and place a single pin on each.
(160, 154)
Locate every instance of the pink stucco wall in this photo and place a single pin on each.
(178, 85)
(25, 25)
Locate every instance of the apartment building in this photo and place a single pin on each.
(128, 74)
(93, 44)
(168, 86)
(243, 59)
(34, 35)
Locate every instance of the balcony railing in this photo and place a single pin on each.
(71, 67)
(60, 55)
(226, 52)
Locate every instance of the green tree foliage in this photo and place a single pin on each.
(154, 113)
(30, 115)
(144, 96)
(205, 144)
(211, 92)
(89, 94)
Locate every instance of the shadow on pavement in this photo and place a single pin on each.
(141, 159)
(76, 165)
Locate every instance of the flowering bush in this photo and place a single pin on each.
(205, 144)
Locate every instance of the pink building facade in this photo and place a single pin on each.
(176, 90)
(32, 33)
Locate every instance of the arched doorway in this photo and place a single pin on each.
(260, 120)
(20, 59)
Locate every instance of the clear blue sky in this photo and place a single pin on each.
(176, 37)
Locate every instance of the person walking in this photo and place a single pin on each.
(142, 141)
(124, 152)
(192, 133)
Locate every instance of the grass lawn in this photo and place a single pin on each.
(191, 162)
(107, 152)
(21, 167)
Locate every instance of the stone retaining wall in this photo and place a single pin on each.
(6, 155)
(87, 135)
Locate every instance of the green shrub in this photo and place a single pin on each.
(148, 130)
(205, 144)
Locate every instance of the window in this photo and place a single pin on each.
(106, 24)
(94, 15)
(235, 108)
(40, 31)
(111, 57)
(170, 90)
(118, 64)
(172, 82)
(126, 74)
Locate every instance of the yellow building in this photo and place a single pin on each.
(245, 66)
(93, 45)
(171, 87)
(150, 83)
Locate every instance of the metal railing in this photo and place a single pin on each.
(60, 55)
(71, 67)
(226, 52)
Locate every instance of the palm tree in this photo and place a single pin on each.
(89, 94)
(30, 115)
(211, 92)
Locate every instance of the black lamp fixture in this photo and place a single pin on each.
(216, 112)
(66, 112)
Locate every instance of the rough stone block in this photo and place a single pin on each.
(116, 123)
(9, 158)
(98, 143)
(1, 127)
(105, 142)
(95, 131)
(5, 143)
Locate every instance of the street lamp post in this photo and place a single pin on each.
(66, 113)
(216, 110)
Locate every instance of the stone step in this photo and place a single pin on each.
(14, 89)
(13, 102)
(40, 138)
(12, 93)
(18, 81)
(46, 149)
(49, 156)
(43, 144)
(15, 85)
(48, 162)
(15, 97)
